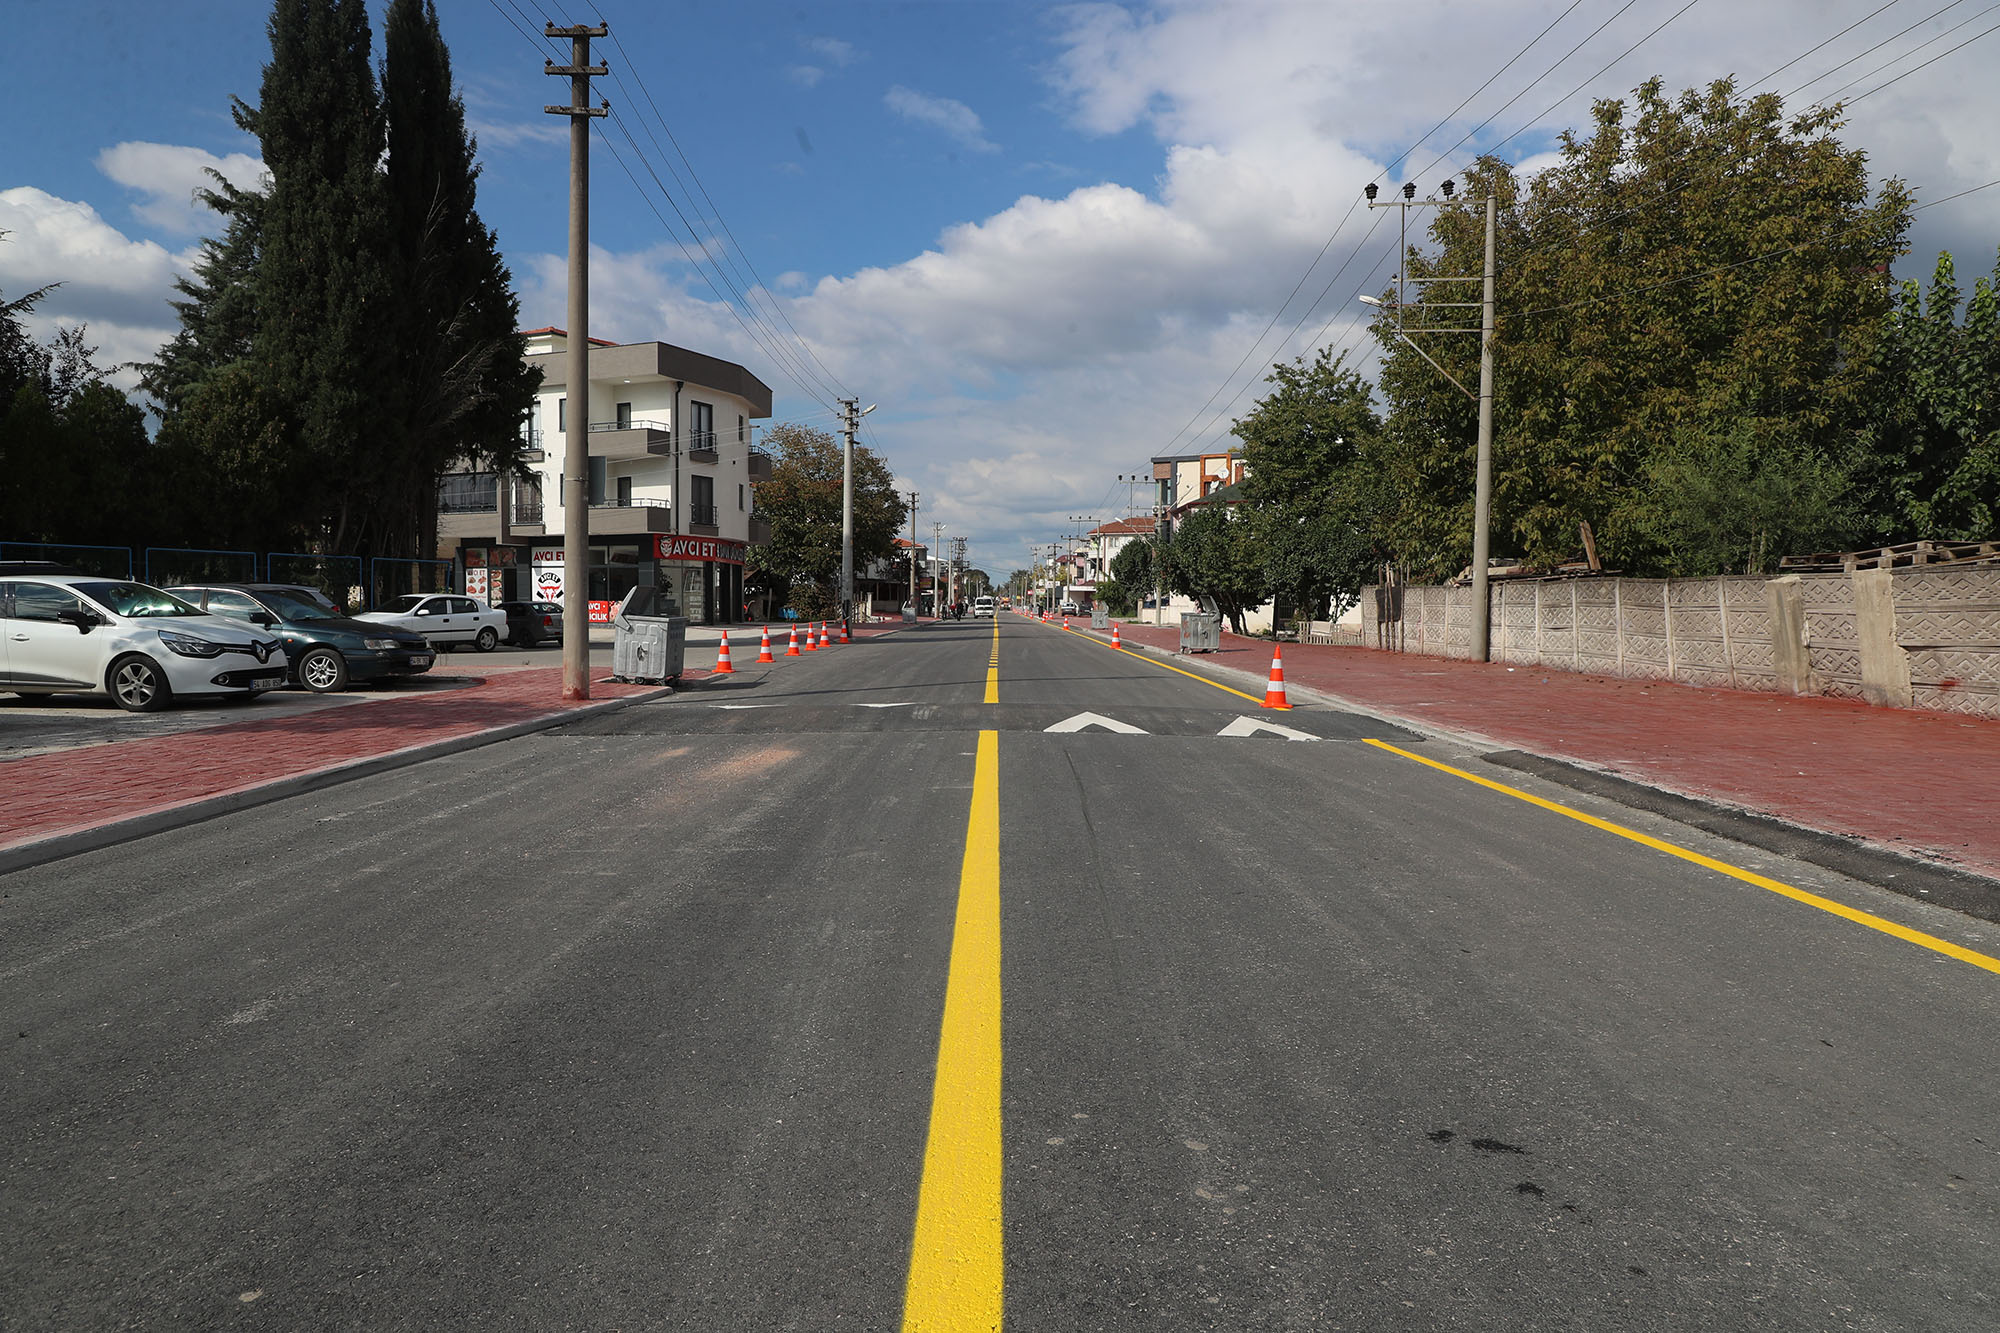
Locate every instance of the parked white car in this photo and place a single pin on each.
(445, 619)
(982, 606)
(79, 634)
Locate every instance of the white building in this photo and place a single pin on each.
(670, 473)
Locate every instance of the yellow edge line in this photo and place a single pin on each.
(1154, 661)
(956, 1256)
(1859, 917)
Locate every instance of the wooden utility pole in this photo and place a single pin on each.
(576, 363)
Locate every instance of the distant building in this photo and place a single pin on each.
(670, 475)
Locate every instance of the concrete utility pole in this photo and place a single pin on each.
(576, 368)
(913, 552)
(851, 413)
(1482, 489)
(937, 570)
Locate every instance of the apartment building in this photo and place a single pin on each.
(671, 469)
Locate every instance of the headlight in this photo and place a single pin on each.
(381, 645)
(189, 646)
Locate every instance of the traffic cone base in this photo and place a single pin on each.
(722, 663)
(764, 654)
(1274, 693)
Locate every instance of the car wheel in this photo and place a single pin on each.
(139, 686)
(488, 640)
(323, 671)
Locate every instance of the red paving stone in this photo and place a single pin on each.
(65, 792)
(1901, 778)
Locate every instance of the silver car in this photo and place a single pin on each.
(76, 634)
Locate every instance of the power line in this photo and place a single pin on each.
(1932, 61)
(1836, 37)
(1825, 73)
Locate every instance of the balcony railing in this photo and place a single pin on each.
(467, 493)
(701, 446)
(631, 502)
(527, 506)
(634, 423)
(701, 513)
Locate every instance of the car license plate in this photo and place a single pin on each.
(270, 682)
(420, 659)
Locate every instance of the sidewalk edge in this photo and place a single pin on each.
(1909, 873)
(61, 846)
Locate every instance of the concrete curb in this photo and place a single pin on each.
(1907, 873)
(63, 845)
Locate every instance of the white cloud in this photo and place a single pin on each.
(806, 76)
(550, 131)
(955, 118)
(116, 285)
(830, 49)
(168, 176)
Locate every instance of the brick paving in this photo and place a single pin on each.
(48, 795)
(1900, 778)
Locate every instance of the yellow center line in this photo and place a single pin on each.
(993, 667)
(956, 1257)
(1854, 914)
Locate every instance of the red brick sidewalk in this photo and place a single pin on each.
(53, 795)
(1900, 778)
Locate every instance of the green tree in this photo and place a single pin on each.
(1702, 264)
(461, 386)
(1309, 488)
(1929, 460)
(800, 565)
(1214, 553)
(1735, 503)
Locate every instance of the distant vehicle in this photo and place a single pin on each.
(324, 649)
(1070, 608)
(982, 606)
(78, 634)
(530, 624)
(444, 618)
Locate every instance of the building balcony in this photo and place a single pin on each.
(624, 518)
(701, 520)
(760, 531)
(760, 465)
(633, 438)
(701, 446)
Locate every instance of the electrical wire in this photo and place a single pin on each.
(1836, 37)
(1827, 73)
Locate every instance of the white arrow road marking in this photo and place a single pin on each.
(1083, 721)
(1250, 726)
(907, 703)
(734, 706)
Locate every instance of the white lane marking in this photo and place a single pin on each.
(1082, 721)
(737, 706)
(907, 703)
(1250, 726)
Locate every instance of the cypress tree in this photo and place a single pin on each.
(461, 386)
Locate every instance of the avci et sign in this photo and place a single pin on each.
(700, 548)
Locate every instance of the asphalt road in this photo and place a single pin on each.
(637, 1024)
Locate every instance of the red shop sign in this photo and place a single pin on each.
(700, 548)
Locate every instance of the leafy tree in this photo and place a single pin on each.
(1135, 564)
(1735, 503)
(1309, 489)
(800, 565)
(1215, 553)
(1702, 264)
(324, 281)
(461, 385)
(1930, 457)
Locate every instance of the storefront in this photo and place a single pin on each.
(703, 575)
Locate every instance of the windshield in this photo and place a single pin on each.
(293, 606)
(406, 603)
(136, 600)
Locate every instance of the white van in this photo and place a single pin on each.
(982, 606)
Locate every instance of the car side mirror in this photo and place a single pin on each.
(264, 618)
(84, 620)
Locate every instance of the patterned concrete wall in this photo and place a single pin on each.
(1718, 631)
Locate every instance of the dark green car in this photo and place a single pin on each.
(325, 649)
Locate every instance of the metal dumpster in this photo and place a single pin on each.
(1201, 632)
(1099, 617)
(909, 613)
(648, 638)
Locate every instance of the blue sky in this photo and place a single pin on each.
(1040, 236)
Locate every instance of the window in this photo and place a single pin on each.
(624, 415)
(739, 495)
(562, 414)
(40, 601)
(701, 419)
(702, 494)
(624, 490)
(468, 492)
(232, 604)
(461, 606)
(742, 429)
(599, 474)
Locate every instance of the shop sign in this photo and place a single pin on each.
(712, 549)
(600, 612)
(502, 557)
(548, 583)
(475, 583)
(548, 555)
(475, 557)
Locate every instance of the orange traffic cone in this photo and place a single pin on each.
(722, 664)
(764, 654)
(1065, 620)
(1114, 638)
(1274, 693)
(793, 651)
(843, 632)
(812, 638)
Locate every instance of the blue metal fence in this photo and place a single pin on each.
(338, 576)
(110, 562)
(168, 565)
